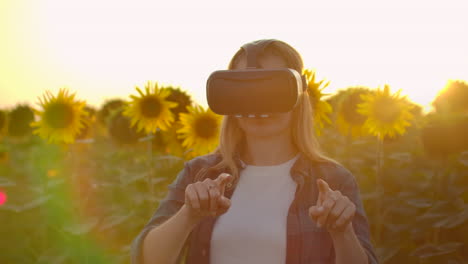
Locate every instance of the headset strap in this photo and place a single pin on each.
(254, 48)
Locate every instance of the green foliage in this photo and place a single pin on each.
(99, 198)
(89, 210)
(420, 212)
(86, 202)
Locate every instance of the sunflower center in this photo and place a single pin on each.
(59, 115)
(205, 127)
(150, 107)
(386, 110)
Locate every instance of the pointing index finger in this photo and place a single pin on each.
(222, 179)
(323, 186)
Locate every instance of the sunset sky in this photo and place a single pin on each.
(103, 49)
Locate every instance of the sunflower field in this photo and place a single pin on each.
(78, 183)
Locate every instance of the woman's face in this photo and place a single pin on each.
(274, 125)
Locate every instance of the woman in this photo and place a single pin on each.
(265, 195)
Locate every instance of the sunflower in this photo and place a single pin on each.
(62, 117)
(108, 108)
(120, 130)
(200, 129)
(348, 120)
(320, 108)
(387, 114)
(453, 98)
(19, 120)
(90, 121)
(444, 133)
(3, 122)
(180, 97)
(151, 110)
(167, 142)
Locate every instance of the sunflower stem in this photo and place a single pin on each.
(380, 187)
(438, 181)
(75, 163)
(44, 235)
(151, 165)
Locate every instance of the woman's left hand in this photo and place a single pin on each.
(333, 210)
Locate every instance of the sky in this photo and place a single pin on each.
(102, 49)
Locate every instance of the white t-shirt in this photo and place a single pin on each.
(253, 230)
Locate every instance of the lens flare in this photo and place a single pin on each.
(3, 198)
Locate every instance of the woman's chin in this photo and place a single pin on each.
(262, 131)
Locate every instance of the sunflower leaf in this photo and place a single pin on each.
(4, 182)
(114, 220)
(81, 228)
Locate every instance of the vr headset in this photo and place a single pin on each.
(254, 91)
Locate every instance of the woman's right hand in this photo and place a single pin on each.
(207, 198)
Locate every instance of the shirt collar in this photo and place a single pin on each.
(298, 170)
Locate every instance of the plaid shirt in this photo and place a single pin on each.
(306, 243)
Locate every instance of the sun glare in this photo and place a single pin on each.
(102, 49)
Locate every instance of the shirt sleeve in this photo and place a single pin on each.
(350, 189)
(170, 205)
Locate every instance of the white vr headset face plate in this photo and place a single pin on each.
(253, 116)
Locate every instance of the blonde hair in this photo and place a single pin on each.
(303, 132)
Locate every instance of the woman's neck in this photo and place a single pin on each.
(268, 151)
